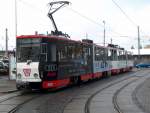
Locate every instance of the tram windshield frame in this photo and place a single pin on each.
(28, 49)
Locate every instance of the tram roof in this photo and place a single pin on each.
(61, 38)
(43, 36)
(51, 37)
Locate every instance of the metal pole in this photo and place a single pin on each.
(6, 52)
(104, 33)
(16, 31)
(138, 42)
(111, 41)
(16, 17)
(86, 36)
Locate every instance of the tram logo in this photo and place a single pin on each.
(27, 72)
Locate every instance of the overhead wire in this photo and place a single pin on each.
(125, 14)
(141, 31)
(87, 18)
(30, 5)
(91, 20)
(81, 15)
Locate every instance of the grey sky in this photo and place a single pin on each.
(32, 16)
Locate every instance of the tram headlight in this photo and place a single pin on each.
(36, 75)
(18, 76)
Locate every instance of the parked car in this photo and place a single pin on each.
(142, 65)
(6, 61)
(4, 69)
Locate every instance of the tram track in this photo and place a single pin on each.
(125, 81)
(19, 105)
(11, 101)
(114, 97)
(115, 102)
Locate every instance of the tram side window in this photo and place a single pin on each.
(124, 55)
(78, 52)
(109, 54)
(97, 54)
(102, 54)
(120, 55)
(62, 53)
(86, 52)
(89, 51)
(44, 52)
(106, 54)
(115, 54)
(128, 56)
(70, 52)
(53, 52)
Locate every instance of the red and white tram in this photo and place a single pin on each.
(54, 61)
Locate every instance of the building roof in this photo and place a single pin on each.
(142, 51)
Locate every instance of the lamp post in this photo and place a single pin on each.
(6, 51)
(138, 42)
(16, 17)
(104, 32)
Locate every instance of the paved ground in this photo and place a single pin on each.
(142, 96)
(102, 102)
(7, 85)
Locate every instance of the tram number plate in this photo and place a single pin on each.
(51, 67)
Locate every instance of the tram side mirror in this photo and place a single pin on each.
(14, 71)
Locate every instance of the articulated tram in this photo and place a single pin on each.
(49, 61)
(54, 61)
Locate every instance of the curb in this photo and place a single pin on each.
(10, 91)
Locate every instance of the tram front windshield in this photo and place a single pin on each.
(28, 49)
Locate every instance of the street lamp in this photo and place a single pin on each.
(104, 32)
(16, 17)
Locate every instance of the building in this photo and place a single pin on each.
(144, 56)
(2, 53)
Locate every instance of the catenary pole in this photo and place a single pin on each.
(138, 42)
(104, 33)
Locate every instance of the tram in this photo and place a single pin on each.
(53, 61)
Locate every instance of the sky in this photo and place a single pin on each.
(81, 19)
